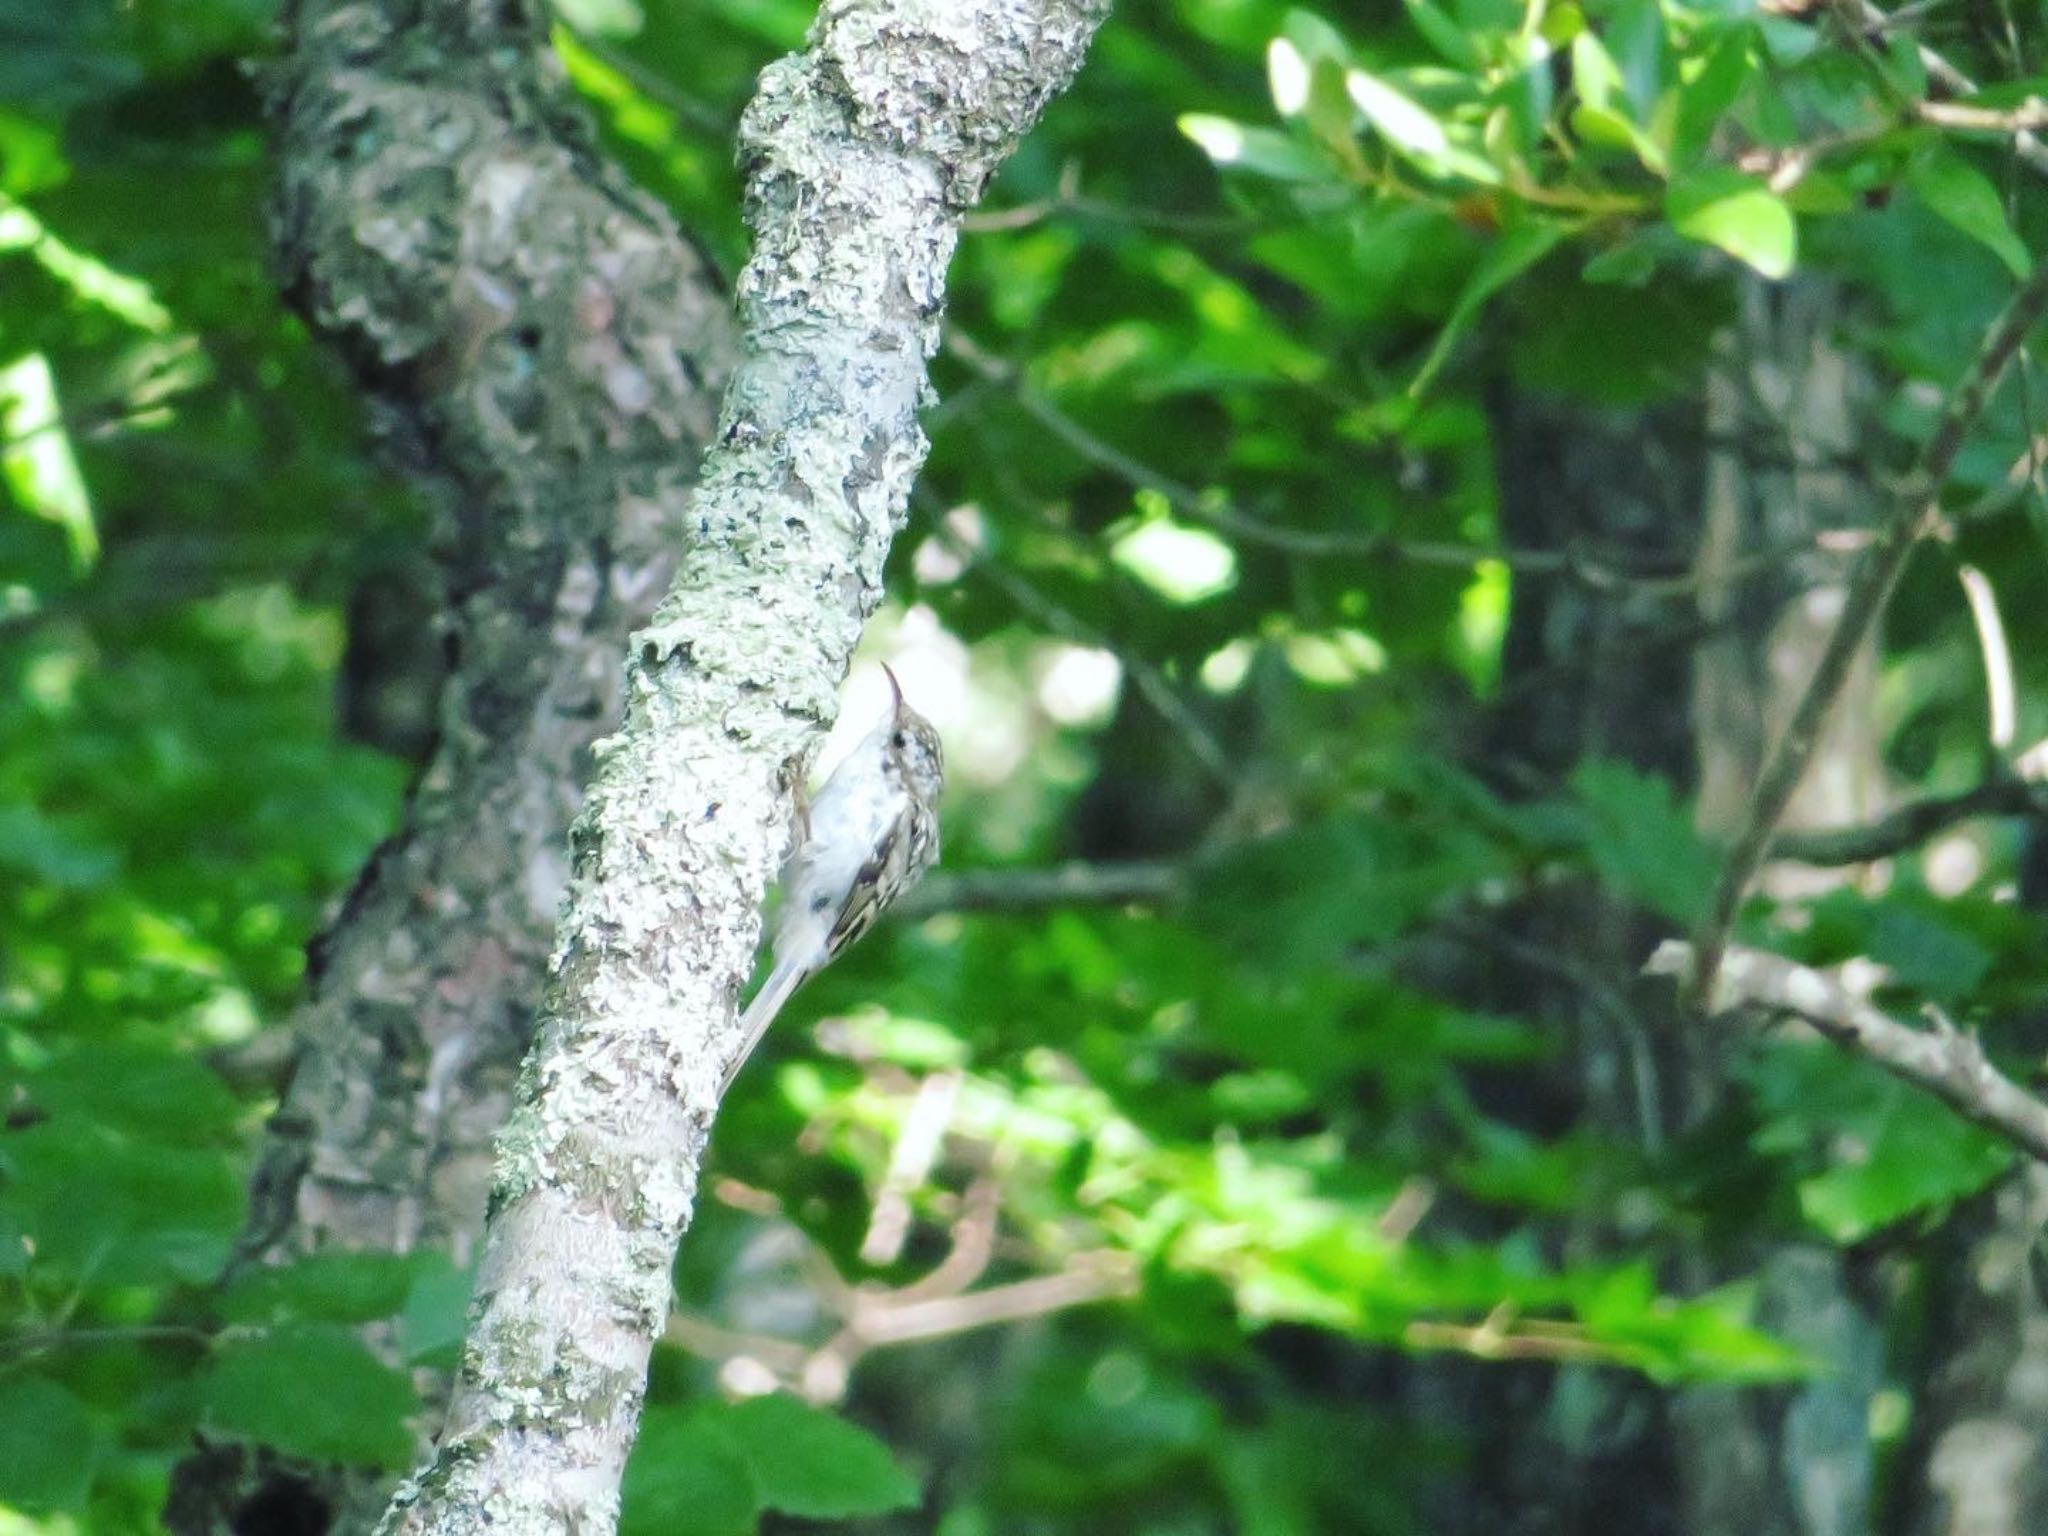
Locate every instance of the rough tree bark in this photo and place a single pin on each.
(1794, 409)
(1592, 672)
(1587, 672)
(861, 154)
(545, 352)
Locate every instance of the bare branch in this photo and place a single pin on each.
(1942, 1060)
(1910, 825)
(2001, 698)
(1087, 1278)
(2031, 151)
(2028, 117)
(1869, 590)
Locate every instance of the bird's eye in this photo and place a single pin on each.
(902, 739)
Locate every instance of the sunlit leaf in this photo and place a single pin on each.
(1405, 123)
(1260, 151)
(1738, 215)
(36, 458)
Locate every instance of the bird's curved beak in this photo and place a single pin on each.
(894, 686)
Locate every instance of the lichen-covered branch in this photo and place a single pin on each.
(544, 352)
(860, 155)
(1942, 1060)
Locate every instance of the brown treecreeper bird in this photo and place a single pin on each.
(872, 832)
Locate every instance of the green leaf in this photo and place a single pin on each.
(1402, 121)
(143, 1090)
(1603, 125)
(1709, 90)
(817, 1465)
(1261, 151)
(36, 459)
(1879, 1150)
(311, 1391)
(1918, 1156)
(1635, 37)
(1514, 253)
(323, 1287)
(1300, 898)
(1595, 76)
(1736, 214)
(54, 850)
(1443, 34)
(1640, 837)
(118, 1210)
(1314, 38)
(436, 1315)
(50, 1444)
(90, 279)
(1964, 196)
(1924, 953)
(688, 1476)
(603, 18)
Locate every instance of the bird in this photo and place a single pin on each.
(871, 832)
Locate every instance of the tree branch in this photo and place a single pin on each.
(1870, 588)
(860, 155)
(1910, 825)
(1942, 1060)
(1163, 882)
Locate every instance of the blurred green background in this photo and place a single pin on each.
(1390, 467)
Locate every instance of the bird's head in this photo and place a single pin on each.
(915, 745)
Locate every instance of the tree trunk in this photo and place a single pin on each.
(1690, 686)
(540, 343)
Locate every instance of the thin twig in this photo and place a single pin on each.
(1069, 198)
(1163, 882)
(1216, 510)
(1942, 1060)
(2028, 116)
(1518, 1340)
(1088, 1278)
(1152, 685)
(1919, 513)
(1910, 825)
(2001, 701)
(1077, 884)
(1942, 73)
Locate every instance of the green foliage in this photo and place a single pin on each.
(1864, 1149)
(311, 1391)
(1211, 555)
(688, 1476)
(717, 1469)
(814, 1464)
(49, 1445)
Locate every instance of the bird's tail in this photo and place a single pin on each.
(784, 979)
